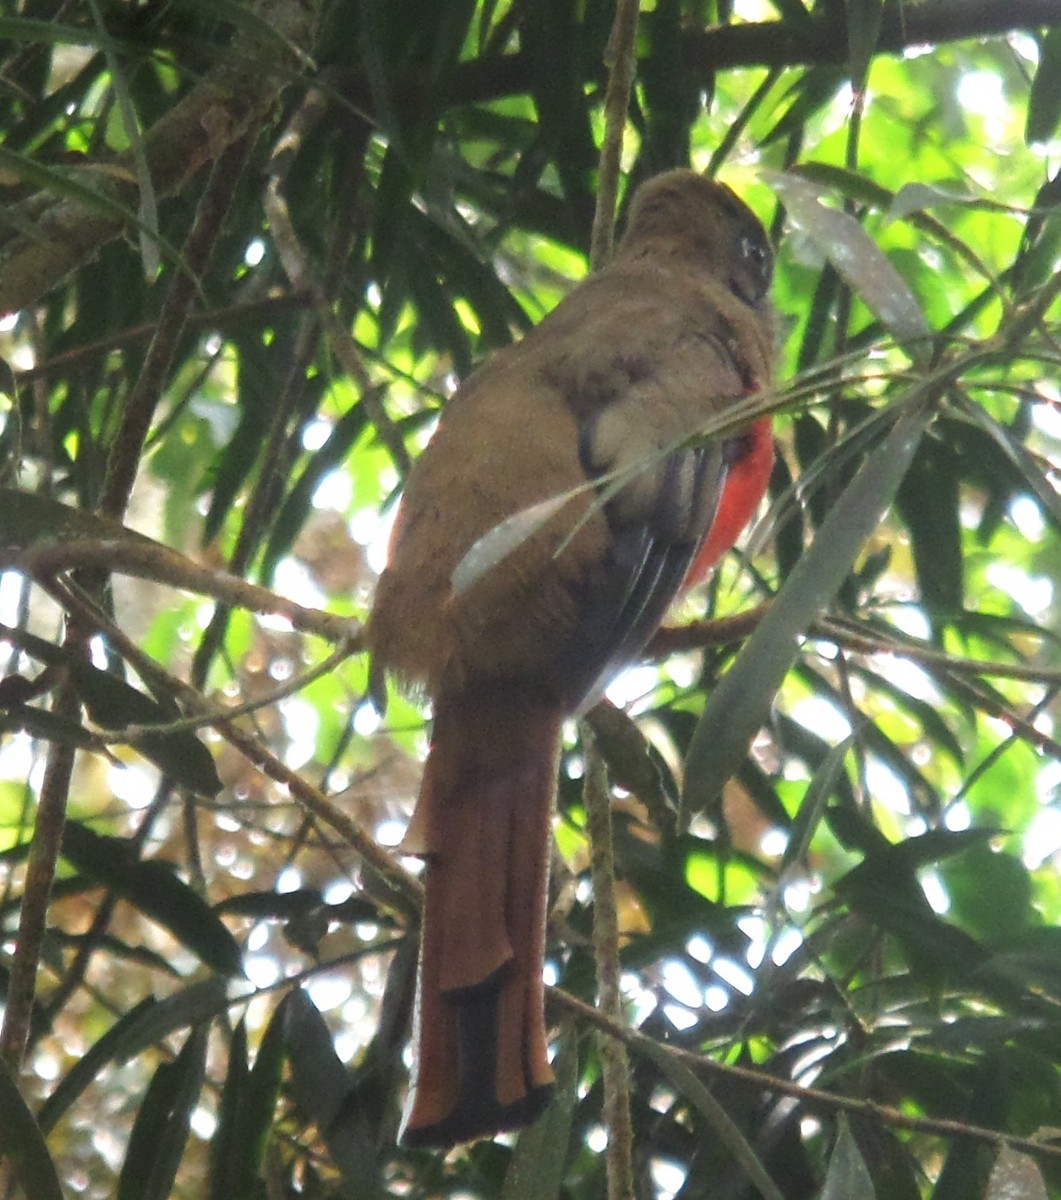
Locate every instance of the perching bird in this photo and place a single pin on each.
(608, 387)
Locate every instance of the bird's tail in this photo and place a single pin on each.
(483, 822)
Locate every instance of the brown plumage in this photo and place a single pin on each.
(676, 329)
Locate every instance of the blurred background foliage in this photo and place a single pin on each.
(246, 249)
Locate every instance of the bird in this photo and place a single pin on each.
(600, 403)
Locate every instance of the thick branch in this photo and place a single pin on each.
(769, 44)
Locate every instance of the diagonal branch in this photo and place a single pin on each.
(60, 233)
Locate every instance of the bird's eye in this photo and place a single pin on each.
(752, 248)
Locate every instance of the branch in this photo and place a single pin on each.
(620, 57)
(129, 554)
(757, 44)
(700, 1064)
(61, 233)
(615, 1067)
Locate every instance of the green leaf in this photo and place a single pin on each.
(812, 806)
(246, 1114)
(146, 1024)
(225, 1143)
(551, 39)
(536, 1170)
(1044, 100)
(863, 31)
(1015, 1176)
(740, 703)
(160, 1132)
(114, 704)
(154, 888)
(858, 259)
(815, 88)
(298, 504)
(847, 1177)
(22, 1143)
(929, 501)
(323, 1088)
(718, 1120)
(258, 1108)
(991, 893)
(148, 201)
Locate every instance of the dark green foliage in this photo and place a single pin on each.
(864, 905)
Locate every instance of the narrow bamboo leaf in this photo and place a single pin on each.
(22, 1143)
(504, 539)
(929, 502)
(460, 259)
(863, 30)
(925, 712)
(1032, 959)
(323, 1087)
(812, 806)
(866, 191)
(741, 702)
(857, 258)
(237, 458)
(145, 1025)
(895, 903)
(991, 893)
(224, 1145)
(812, 91)
(1029, 467)
(114, 704)
(1044, 100)
(298, 502)
(258, 1110)
(721, 1123)
(155, 889)
(131, 126)
(550, 41)
(536, 1171)
(848, 1177)
(1015, 1176)
(27, 31)
(40, 723)
(160, 1131)
(914, 197)
(438, 322)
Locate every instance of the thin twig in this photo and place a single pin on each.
(36, 892)
(620, 57)
(311, 798)
(145, 559)
(764, 1082)
(720, 631)
(615, 1069)
(300, 274)
(212, 319)
(126, 451)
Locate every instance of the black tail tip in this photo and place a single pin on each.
(469, 1121)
